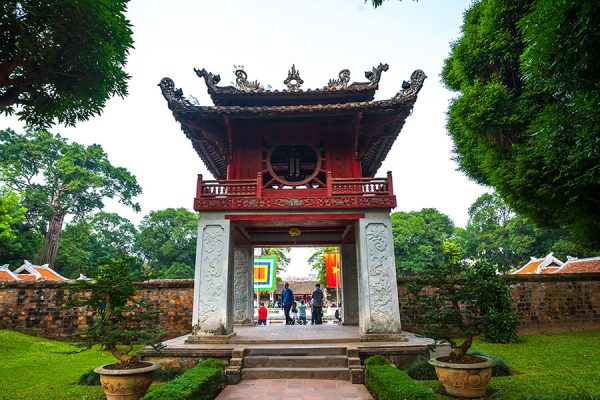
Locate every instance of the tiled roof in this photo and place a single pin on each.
(584, 265)
(298, 287)
(546, 265)
(27, 277)
(6, 276)
(530, 267)
(28, 271)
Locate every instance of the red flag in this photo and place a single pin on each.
(332, 269)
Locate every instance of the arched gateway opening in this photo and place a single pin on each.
(294, 168)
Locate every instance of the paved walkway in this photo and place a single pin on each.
(292, 389)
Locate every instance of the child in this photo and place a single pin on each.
(262, 314)
(294, 313)
(302, 313)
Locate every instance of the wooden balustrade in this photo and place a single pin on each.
(334, 187)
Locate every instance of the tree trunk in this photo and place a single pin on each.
(50, 244)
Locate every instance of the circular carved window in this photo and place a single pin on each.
(293, 165)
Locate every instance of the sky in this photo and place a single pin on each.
(321, 37)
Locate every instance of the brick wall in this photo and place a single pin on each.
(544, 303)
(35, 307)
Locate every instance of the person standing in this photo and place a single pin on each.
(287, 296)
(302, 313)
(317, 304)
(262, 314)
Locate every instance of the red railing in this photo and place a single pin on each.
(335, 187)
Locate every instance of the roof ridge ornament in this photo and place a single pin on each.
(210, 79)
(412, 87)
(342, 82)
(174, 96)
(241, 80)
(293, 80)
(375, 74)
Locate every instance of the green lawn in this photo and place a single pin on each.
(548, 366)
(35, 368)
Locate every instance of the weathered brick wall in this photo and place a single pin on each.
(543, 303)
(36, 307)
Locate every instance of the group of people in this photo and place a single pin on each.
(298, 312)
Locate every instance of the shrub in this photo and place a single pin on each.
(168, 375)
(387, 382)
(202, 382)
(89, 378)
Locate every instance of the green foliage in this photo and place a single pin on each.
(418, 239)
(91, 241)
(167, 375)
(461, 300)
(120, 319)
(387, 382)
(167, 242)
(498, 236)
(11, 215)
(56, 178)
(423, 371)
(527, 117)
(89, 378)
(202, 382)
(282, 254)
(61, 61)
(18, 240)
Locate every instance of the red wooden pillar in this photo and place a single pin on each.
(329, 185)
(199, 186)
(390, 183)
(259, 184)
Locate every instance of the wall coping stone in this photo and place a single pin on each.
(152, 284)
(595, 276)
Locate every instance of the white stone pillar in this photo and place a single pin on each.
(349, 284)
(379, 313)
(243, 285)
(212, 318)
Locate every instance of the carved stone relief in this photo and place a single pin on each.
(380, 281)
(211, 280)
(242, 284)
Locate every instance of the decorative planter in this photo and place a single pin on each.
(464, 380)
(126, 384)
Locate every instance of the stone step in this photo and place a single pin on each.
(341, 374)
(295, 351)
(296, 361)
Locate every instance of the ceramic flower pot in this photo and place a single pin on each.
(126, 384)
(464, 380)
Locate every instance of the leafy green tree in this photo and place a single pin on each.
(56, 178)
(62, 60)
(527, 118)
(418, 239)
(496, 235)
(92, 241)
(18, 240)
(167, 241)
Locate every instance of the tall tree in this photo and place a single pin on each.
(62, 60)
(19, 240)
(167, 242)
(418, 239)
(527, 118)
(282, 254)
(57, 178)
(499, 237)
(92, 241)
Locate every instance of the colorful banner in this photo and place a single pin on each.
(332, 269)
(265, 268)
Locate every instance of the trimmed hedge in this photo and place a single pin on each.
(202, 382)
(387, 382)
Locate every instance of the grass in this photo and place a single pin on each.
(36, 368)
(551, 366)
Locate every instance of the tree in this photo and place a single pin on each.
(418, 239)
(57, 178)
(498, 236)
(92, 241)
(60, 60)
(18, 239)
(167, 241)
(527, 118)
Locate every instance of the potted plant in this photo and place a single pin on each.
(461, 300)
(121, 322)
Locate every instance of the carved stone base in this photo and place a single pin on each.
(246, 322)
(196, 339)
(350, 323)
(383, 337)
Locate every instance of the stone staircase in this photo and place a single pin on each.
(302, 362)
